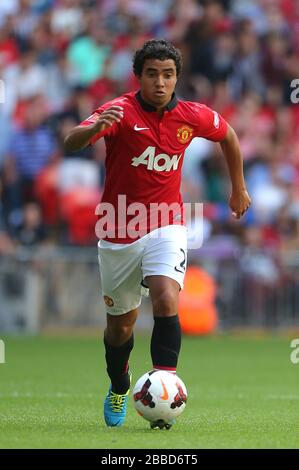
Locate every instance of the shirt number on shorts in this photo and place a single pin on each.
(182, 264)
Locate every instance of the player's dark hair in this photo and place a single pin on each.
(156, 49)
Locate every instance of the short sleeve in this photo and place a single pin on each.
(110, 131)
(212, 126)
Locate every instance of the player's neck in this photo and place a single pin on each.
(160, 108)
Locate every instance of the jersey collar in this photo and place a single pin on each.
(149, 107)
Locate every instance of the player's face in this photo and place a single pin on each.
(157, 81)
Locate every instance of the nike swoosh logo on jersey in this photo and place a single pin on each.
(136, 128)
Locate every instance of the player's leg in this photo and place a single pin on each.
(121, 277)
(164, 265)
(119, 342)
(166, 335)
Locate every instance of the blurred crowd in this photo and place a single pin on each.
(61, 59)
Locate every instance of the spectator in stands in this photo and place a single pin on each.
(240, 58)
(32, 231)
(31, 148)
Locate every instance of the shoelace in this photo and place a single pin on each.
(117, 402)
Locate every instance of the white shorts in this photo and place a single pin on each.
(124, 267)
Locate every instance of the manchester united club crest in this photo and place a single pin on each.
(108, 301)
(184, 134)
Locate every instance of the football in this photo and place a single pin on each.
(159, 397)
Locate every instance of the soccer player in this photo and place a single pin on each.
(146, 134)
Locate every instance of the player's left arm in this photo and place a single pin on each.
(239, 200)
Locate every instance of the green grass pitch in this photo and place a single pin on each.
(242, 393)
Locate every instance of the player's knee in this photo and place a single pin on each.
(118, 334)
(165, 303)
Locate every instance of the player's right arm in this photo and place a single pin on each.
(81, 136)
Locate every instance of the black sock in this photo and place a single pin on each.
(117, 364)
(166, 342)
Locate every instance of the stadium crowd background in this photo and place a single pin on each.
(61, 59)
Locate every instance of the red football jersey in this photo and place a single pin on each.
(144, 159)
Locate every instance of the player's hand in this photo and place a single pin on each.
(239, 202)
(108, 118)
